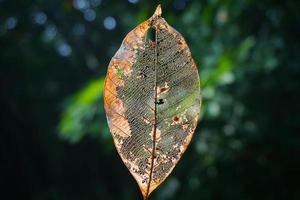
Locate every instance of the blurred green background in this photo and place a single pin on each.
(55, 143)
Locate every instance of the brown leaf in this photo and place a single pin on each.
(152, 100)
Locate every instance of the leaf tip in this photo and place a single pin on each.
(158, 11)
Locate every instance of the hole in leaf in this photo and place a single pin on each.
(151, 34)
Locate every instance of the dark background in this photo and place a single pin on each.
(55, 142)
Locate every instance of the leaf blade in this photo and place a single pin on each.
(144, 82)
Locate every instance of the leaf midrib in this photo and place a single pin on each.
(155, 120)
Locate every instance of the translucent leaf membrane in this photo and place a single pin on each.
(152, 100)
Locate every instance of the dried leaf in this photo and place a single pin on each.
(152, 100)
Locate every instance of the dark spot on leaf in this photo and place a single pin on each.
(175, 119)
(160, 101)
(163, 89)
(143, 75)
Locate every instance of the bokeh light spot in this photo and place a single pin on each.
(81, 4)
(89, 15)
(229, 129)
(133, 1)
(11, 22)
(39, 18)
(214, 109)
(64, 49)
(227, 78)
(49, 33)
(109, 23)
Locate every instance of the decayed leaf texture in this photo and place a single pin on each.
(152, 100)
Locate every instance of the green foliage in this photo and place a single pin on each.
(79, 117)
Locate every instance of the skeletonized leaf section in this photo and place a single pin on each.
(144, 69)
